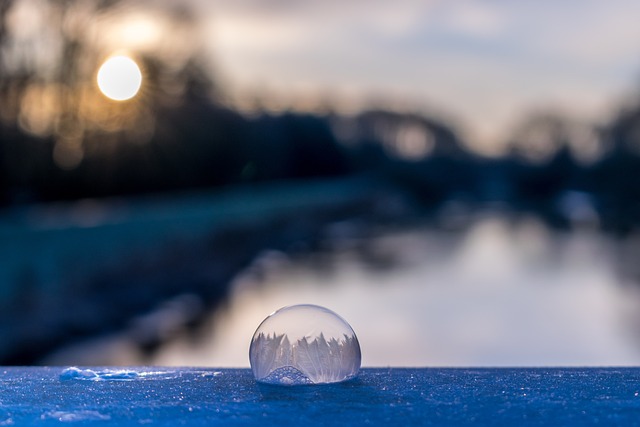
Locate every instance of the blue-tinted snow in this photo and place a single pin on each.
(204, 397)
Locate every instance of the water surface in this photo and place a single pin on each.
(499, 291)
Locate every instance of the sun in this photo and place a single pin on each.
(119, 78)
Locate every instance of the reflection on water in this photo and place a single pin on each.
(500, 292)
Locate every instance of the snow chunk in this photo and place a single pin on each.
(73, 373)
(73, 416)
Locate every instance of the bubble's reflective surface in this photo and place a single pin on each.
(304, 344)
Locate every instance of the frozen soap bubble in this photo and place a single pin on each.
(304, 344)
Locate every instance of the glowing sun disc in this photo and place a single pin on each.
(119, 78)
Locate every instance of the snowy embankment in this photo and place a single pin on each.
(71, 271)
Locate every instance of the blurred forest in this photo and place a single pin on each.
(61, 140)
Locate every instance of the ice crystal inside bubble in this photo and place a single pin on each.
(304, 344)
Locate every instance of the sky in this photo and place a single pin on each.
(482, 65)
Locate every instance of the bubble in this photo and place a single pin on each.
(304, 344)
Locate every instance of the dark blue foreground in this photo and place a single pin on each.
(191, 396)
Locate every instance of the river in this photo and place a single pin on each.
(501, 290)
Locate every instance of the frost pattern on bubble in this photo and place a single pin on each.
(287, 375)
(300, 353)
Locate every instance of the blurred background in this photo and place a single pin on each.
(459, 180)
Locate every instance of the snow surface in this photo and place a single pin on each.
(204, 397)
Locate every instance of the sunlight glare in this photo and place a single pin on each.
(119, 78)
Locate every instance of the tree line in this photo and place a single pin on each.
(60, 140)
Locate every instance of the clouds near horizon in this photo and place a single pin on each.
(484, 62)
